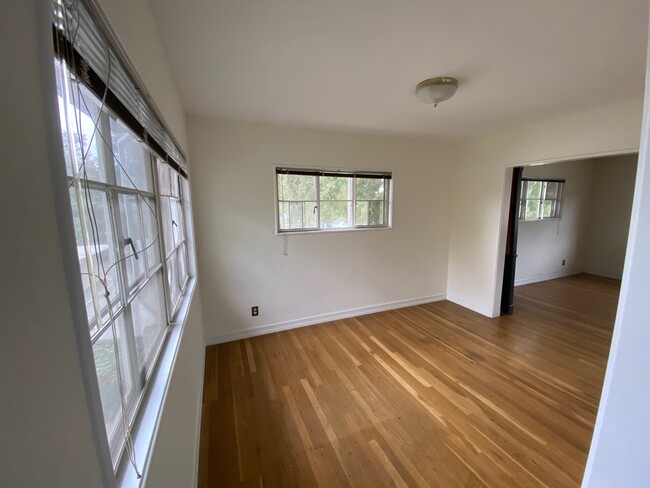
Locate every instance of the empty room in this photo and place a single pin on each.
(306, 243)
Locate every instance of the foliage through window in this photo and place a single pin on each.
(312, 200)
(129, 211)
(541, 199)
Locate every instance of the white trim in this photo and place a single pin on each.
(545, 277)
(149, 417)
(197, 428)
(318, 319)
(470, 306)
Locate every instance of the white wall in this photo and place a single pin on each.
(46, 438)
(478, 224)
(46, 431)
(241, 259)
(542, 245)
(619, 450)
(612, 189)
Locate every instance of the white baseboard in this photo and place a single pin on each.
(474, 308)
(318, 319)
(545, 277)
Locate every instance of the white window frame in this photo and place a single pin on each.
(557, 214)
(143, 401)
(353, 174)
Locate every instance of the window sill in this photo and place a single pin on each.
(329, 231)
(554, 219)
(147, 422)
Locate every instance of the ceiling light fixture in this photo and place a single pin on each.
(436, 90)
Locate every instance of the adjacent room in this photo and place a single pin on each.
(300, 244)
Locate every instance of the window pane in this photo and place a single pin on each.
(172, 280)
(175, 188)
(335, 215)
(166, 220)
(131, 159)
(296, 215)
(106, 366)
(151, 237)
(548, 209)
(132, 238)
(296, 187)
(532, 209)
(551, 190)
(534, 189)
(335, 188)
(361, 213)
(100, 255)
(164, 178)
(60, 90)
(177, 221)
(182, 266)
(310, 209)
(376, 213)
(283, 217)
(149, 320)
(370, 189)
(84, 110)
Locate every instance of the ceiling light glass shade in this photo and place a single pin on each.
(436, 90)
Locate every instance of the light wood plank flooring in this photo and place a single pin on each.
(432, 395)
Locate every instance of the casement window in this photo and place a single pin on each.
(541, 199)
(311, 200)
(129, 196)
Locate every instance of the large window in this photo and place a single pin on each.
(313, 200)
(541, 199)
(129, 210)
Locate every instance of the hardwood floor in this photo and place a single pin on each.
(432, 395)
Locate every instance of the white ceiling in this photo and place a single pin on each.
(353, 64)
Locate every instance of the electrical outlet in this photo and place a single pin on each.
(255, 311)
(563, 262)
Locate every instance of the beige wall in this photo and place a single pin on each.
(478, 224)
(612, 191)
(241, 259)
(542, 245)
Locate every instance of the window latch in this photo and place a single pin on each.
(174, 223)
(129, 242)
(315, 207)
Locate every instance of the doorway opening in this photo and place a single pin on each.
(567, 218)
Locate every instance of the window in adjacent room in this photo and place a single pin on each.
(541, 199)
(319, 200)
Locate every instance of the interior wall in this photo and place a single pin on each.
(611, 194)
(543, 245)
(478, 224)
(45, 423)
(175, 454)
(241, 258)
(618, 454)
(45, 426)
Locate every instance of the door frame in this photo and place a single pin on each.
(505, 212)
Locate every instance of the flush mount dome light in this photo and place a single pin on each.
(436, 90)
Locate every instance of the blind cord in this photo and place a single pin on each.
(94, 229)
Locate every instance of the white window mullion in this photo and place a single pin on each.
(318, 226)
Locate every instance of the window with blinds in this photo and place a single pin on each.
(541, 199)
(311, 200)
(129, 197)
